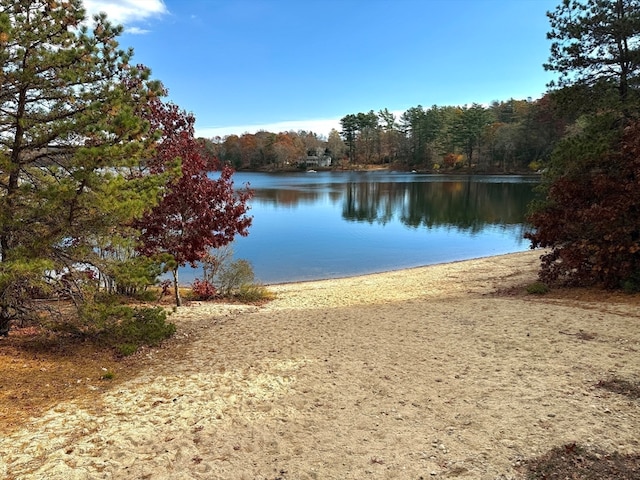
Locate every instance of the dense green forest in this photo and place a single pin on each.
(506, 136)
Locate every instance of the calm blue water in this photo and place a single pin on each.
(334, 224)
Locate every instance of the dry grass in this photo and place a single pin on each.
(39, 369)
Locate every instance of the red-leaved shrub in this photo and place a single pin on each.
(203, 290)
(591, 221)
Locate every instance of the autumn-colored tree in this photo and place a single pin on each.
(288, 149)
(197, 213)
(591, 217)
(248, 150)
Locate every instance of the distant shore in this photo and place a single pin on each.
(463, 171)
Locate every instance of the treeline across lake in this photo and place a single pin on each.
(467, 205)
(506, 136)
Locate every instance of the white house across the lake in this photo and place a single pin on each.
(315, 161)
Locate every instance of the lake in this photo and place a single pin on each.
(309, 226)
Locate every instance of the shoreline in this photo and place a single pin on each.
(381, 272)
(440, 282)
(465, 171)
(402, 269)
(442, 371)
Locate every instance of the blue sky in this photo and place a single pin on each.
(245, 65)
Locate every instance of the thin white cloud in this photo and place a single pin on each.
(320, 127)
(127, 11)
(136, 30)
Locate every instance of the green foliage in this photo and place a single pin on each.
(21, 282)
(590, 219)
(234, 275)
(631, 284)
(582, 150)
(230, 277)
(73, 161)
(469, 126)
(252, 292)
(122, 270)
(596, 44)
(131, 277)
(424, 128)
(535, 166)
(514, 133)
(124, 328)
(126, 349)
(537, 288)
(147, 295)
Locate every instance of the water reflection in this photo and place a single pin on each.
(467, 204)
(324, 225)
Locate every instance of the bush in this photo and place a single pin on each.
(535, 166)
(147, 326)
(214, 260)
(538, 288)
(591, 218)
(203, 290)
(131, 277)
(252, 292)
(231, 277)
(632, 283)
(125, 328)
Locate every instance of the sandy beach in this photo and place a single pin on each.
(446, 371)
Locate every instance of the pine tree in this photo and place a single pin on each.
(72, 144)
(595, 48)
(589, 219)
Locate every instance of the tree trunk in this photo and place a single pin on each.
(5, 322)
(175, 287)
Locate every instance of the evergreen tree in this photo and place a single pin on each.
(589, 219)
(596, 48)
(72, 144)
(349, 132)
(469, 126)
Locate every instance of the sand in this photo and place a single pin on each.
(434, 372)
